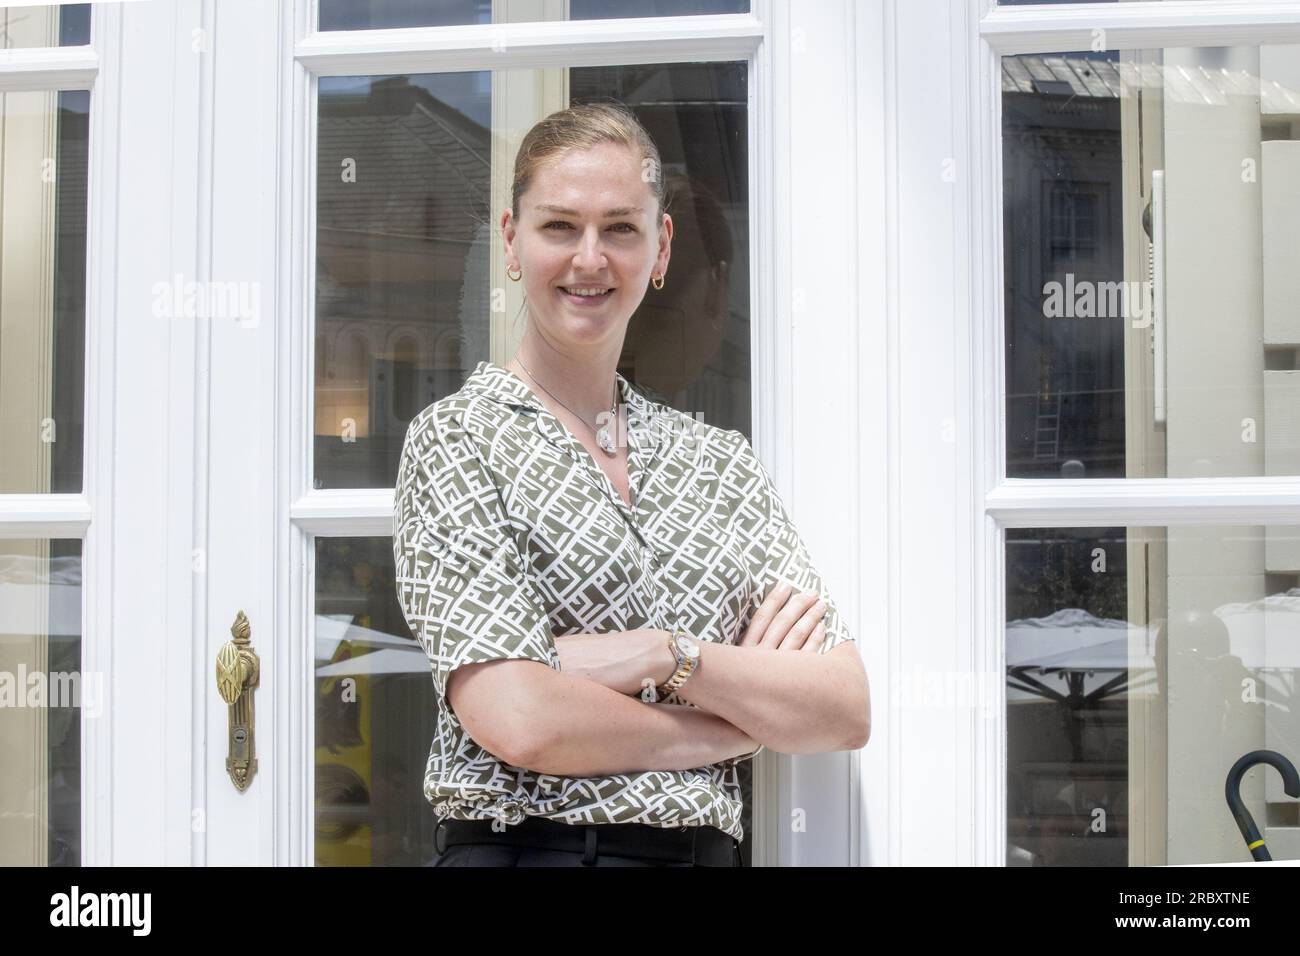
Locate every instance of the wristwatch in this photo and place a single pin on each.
(687, 651)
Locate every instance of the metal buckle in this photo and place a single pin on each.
(509, 809)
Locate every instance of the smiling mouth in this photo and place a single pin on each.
(587, 293)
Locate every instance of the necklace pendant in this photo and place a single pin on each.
(605, 442)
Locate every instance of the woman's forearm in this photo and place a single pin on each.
(584, 729)
(791, 702)
(624, 661)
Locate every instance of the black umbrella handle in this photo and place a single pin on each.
(1232, 791)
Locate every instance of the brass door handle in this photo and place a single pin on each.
(238, 668)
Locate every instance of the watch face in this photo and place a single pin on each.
(687, 646)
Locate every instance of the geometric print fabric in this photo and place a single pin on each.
(506, 534)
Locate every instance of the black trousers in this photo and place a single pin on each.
(539, 842)
(496, 854)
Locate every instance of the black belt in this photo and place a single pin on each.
(701, 845)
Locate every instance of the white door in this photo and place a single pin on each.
(51, 699)
(287, 248)
(1135, 563)
(357, 207)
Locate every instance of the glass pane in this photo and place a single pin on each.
(1142, 663)
(50, 25)
(42, 694)
(376, 717)
(42, 289)
(408, 240)
(1150, 202)
(374, 713)
(391, 14)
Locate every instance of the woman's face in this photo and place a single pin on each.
(587, 222)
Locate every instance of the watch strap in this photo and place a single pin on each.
(685, 667)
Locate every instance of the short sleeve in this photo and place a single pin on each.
(732, 761)
(461, 582)
(781, 554)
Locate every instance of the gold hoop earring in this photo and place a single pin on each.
(516, 277)
(657, 281)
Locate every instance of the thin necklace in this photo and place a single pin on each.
(603, 438)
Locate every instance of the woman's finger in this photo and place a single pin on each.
(801, 630)
(786, 618)
(815, 639)
(763, 616)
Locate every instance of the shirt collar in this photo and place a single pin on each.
(501, 385)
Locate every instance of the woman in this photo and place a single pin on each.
(596, 578)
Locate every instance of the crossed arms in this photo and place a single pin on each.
(773, 687)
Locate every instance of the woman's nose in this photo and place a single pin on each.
(591, 252)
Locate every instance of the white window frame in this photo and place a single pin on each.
(85, 516)
(1018, 503)
(777, 264)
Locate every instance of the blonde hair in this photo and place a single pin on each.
(582, 127)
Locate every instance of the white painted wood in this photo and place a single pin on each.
(240, 234)
(1153, 501)
(98, 487)
(137, 790)
(806, 371)
(983, 724)
(296, 297)
(1142, 25)
(49, 68)
(865, 402)
(515, 45)
(770, 779)
(942, 756)
(45, 516)
(344, 513)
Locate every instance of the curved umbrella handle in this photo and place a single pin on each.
(1232, 791)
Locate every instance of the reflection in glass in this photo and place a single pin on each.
(43, 158)
(376, 716)
(406, 235)
(374, 713)
(41, 26)
(1141, 664)
(42, 694)
(395, 14)
(1150, 203)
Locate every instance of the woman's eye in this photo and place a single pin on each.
(624, 227)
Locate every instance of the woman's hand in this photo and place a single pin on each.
(623, 661)
(787, 621)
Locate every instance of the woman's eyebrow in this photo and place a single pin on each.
(609, 213)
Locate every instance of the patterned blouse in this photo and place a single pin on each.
(507, 534)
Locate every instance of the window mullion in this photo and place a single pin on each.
(364, 511)
(530, 45)
(44, 516)
(48, 68)
(1144, 25)
(1106, 502)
